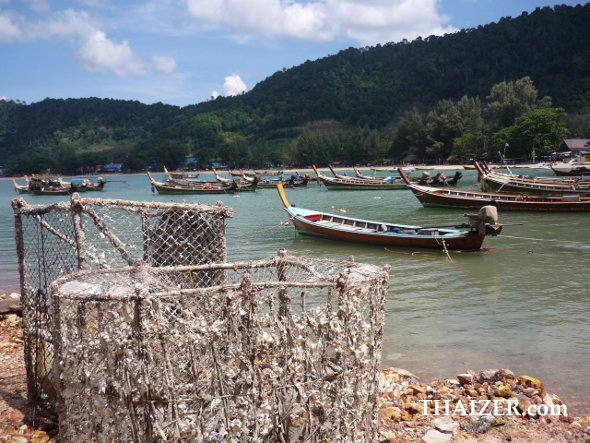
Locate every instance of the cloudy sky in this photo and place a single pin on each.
(186, 51)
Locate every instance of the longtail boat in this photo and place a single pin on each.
(528, 179)
(51, 185)
(240, 185)
(220, 179)
(295, 181)
(492, 182)
(21, 189)
(575, 167)
(261, 174)
(48, 185)
(353, 183)
(180, 174)
(87, 185)
(359, 174)
(571, 171)
(438, 180)
(336, 227)
(463, 199)
(195, 188)
(176, 178)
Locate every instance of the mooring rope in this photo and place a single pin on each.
(446, 251)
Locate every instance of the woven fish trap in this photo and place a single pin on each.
(57, 239)
(284, 350)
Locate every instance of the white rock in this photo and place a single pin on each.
(446, 425)
(434, 436)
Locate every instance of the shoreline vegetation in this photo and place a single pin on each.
(409, 409)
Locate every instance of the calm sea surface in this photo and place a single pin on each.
(524, 304)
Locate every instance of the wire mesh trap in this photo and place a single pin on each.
(61, 238)
(282, 349)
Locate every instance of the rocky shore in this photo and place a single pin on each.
(452, 410)
(488, 406)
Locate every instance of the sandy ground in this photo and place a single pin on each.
(15, 413)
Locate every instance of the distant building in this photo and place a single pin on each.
(83, 170)
(112, 167)
(190, 160)
(219, 165)
(575, 145)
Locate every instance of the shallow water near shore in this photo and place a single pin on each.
(523, 303)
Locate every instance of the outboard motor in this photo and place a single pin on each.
(486, 220)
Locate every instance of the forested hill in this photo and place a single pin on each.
(357, 96)
(370, 86)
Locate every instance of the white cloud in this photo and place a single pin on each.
(367, 21)
(96, 51)
(101, 54)
(8, 29)
(375, 22)
(215, 94)
(233, 85)
(272, 18)
(64, 24)
(164, 64)
(3, 98)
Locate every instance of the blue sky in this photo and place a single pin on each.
(186, 51)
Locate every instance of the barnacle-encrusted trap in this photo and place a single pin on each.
(60, 238)
(148, 334)
(283, 350)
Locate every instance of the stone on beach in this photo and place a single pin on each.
(531, 382)
(446, 425)
(10, 303)
(434, 436)
(465, 379)
(416, 420)
(504, 391)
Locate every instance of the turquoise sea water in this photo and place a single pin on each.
(523, 304)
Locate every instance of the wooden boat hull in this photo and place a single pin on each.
(92, 187)
(345, 229)
(462, 199)
(238, 184)
(355, 184)
(348, 186)
(491, 182)
(468, 200)
(67, 191)
(468, 242)
(265, 185)
(163, 189)
(180, 175)
(573, 171)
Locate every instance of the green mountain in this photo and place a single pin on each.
(370, 86)
(347, 106)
